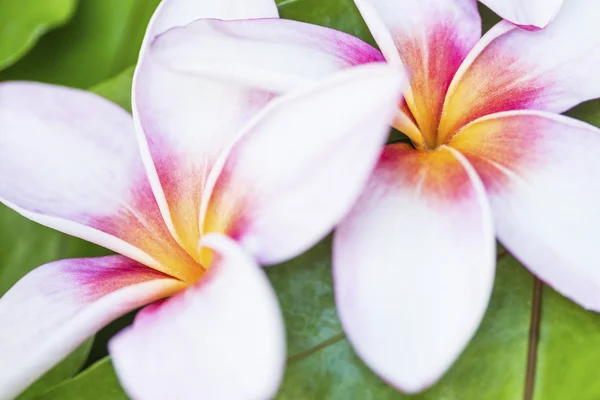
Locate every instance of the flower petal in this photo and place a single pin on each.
(221, 339)
(414, 265)
(174, 13)
(432, 38)
(512, 69)
(183, 122)
(301, 164)
(69, 160)
(187, 123)
(540, 171)
(277, 55)
(528, 14)
(54, 308)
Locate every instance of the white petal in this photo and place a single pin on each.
(221, 339)
(541, 172)
(414, 265)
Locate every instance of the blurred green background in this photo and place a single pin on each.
(533, 343)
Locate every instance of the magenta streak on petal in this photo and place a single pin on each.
(530, 28)
(98, 277)
(356, 52)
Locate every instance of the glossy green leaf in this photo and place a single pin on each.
(117, 89)
(98, 382)
(23, 22)
(102, 40)
(337, 14)
(568, 356)
(588, 112)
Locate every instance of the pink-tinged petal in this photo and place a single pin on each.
(541, 172)
(174, 13)
(432, 38)
(528, 14)
(187, 122)
(221, 339)
(69, 160)
(512, 69)
(414, 265)
(300, 165)
(273, 54)
(182, 122)
(56, 307)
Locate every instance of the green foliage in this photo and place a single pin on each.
(337, 14)
(98, 382)
(23, 22)
(101, 41)
(117, 89)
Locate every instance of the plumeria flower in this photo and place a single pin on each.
(490, 156)
(221, 177)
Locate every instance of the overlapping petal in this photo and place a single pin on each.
(221, 339)
(273, 54)
(528, 14)
(54, 308)
(511, 69)
(300, 165)
(69, 160)
(174, 13)
(540, 171)
(185, 122)
(414, 265)
(430, 39)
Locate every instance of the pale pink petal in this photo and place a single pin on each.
(301, 164)
(184, 122)
(69, 160)
(174, 13)
(512, 69)
(187, 122)
(274, 54)
(528, 14)
(54, 308)
(414, 265)
(541, 172)
(221, 339)
(432, 38)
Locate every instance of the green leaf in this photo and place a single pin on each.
(117, 89)
(102, 40)
(98, 382)
(588, 112)
(568, 356)
(337, 14)
(23, 22)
